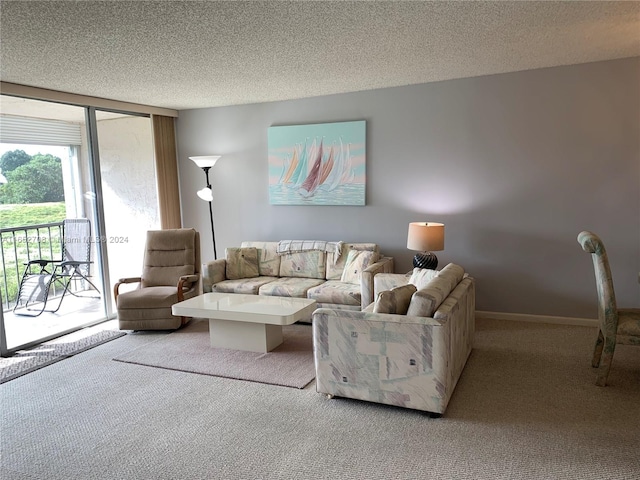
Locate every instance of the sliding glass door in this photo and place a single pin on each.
(61, 162)
(130, 200)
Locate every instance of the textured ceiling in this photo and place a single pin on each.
(184, 54)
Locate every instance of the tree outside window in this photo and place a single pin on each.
(31, 178)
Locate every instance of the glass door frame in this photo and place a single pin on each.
(97, 206)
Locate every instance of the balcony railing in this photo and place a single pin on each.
(20, 245)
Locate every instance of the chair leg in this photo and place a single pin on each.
(28, 291)
(605, 361)
(64, 292)
(76, 275)
(597, 351)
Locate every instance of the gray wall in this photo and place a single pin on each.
(515, 165)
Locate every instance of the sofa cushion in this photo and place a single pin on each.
(420, 277)
(335, 267)
(395, 300)
(149, 297)
(357, 261)
(169, 254)
(241, 263)
(289, 287)
(249, 286)
(268, 259)
(427, 300)
(336, 292)
(309, 264)
(453, 273)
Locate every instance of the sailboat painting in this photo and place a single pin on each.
(319, 164)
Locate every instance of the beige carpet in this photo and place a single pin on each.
(525, 408)
(189, 350)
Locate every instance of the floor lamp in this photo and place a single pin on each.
(205, 162)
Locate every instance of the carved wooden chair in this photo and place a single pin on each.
(616, 325)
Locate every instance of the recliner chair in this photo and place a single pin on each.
(170, 274)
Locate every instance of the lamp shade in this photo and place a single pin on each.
(205, 194)
(425, 236)
(205, 161)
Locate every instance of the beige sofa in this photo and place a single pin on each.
(407, 349)
(335, 274)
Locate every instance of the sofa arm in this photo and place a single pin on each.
(384, 265)
(387, 281)
(355, 316)
(212, 273)
(122, 281)
(381, 358)
(186, 283)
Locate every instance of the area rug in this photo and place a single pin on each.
(26, 361)
(189, 350)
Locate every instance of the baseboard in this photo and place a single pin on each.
(522, 317)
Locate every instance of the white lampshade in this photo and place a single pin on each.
(206, 194)
(205, 161)
(425, 236)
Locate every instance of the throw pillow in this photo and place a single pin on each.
(241, 263)
(357, 261)
(426, 301)
(394, 301)
(452, 272)
(421, 277)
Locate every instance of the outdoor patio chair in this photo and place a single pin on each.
(41, 276)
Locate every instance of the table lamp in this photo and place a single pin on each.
(425, 237)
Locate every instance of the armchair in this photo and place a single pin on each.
(171, 274)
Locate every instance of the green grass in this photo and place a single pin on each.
(35, 214)
(17, 250)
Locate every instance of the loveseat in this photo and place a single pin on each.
(408, 348)
(335, 274)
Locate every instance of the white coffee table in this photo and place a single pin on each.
(246, 322)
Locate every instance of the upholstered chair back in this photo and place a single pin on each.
(169, 254)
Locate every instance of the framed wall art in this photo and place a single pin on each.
(318, 164)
